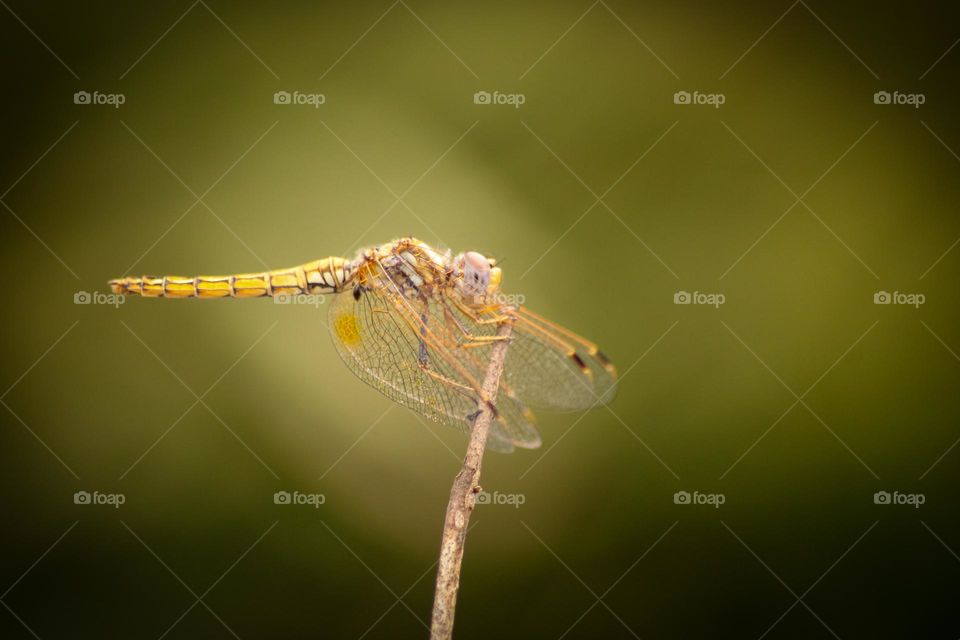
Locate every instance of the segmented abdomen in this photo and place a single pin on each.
(328, 275)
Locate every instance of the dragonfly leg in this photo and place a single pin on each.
(472, 340)
(467, 391)
(424, 366)
(536, 328)
(475, 315)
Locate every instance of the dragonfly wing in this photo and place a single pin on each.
(403, 349)
(515, 423)
(547, 365)
(556, 368)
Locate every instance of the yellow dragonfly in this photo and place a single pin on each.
(418, 325)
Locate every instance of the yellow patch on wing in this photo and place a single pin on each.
(347, 330)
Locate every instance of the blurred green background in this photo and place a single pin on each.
(603, 198)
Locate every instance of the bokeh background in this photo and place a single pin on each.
(796, 400)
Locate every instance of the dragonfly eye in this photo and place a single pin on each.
(476, 273)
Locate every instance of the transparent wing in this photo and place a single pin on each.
(405, 349)
(547, 365)
(515, 422)
(575, 375)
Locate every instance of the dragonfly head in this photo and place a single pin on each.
(480, 275)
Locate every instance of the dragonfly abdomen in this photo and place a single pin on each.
(329, 275)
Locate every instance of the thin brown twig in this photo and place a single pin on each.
(463, 497)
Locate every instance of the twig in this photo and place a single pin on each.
(463, 497)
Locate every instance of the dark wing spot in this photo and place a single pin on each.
(580, 362)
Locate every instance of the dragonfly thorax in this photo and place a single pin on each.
(412, 267)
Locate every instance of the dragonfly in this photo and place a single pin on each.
(418, 325)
